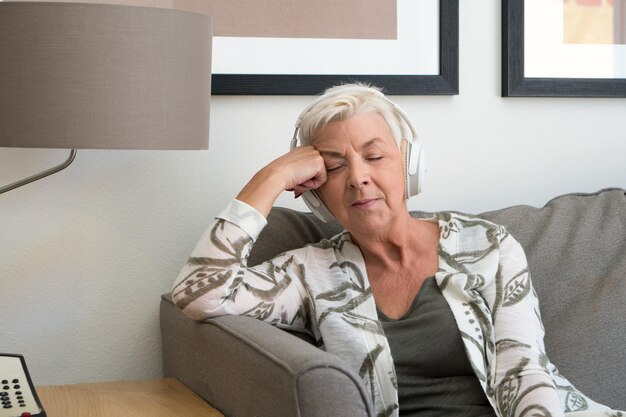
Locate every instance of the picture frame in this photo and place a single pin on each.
(444, 83)
(516, 82)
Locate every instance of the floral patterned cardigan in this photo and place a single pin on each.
(323, 290)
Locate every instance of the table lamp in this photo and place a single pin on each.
(99, 76)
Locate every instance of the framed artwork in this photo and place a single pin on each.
(564, 48)
(300, 47)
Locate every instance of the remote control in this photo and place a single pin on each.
(17, 393)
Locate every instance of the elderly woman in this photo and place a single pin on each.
(437, 315)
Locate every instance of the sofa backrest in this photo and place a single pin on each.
(576, 250)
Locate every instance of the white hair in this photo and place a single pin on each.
(344, 101)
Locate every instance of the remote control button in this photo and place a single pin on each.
(15, 381)
(16, 386)
(6, 387)
(4, 381)
(18, 392)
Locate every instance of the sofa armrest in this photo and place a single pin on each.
(245, 367)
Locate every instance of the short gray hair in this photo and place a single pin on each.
(343, 101)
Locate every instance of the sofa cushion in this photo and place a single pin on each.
(576, 251)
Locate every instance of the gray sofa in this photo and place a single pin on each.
(576, 248)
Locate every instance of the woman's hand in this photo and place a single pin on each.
(299, 170)
(304, 169)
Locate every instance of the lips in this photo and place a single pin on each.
(364, 203)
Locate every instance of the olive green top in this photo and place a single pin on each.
(435, 377)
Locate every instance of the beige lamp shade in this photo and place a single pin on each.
(76, 75)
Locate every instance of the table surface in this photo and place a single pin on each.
(154, 398)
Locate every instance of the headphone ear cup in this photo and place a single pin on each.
(317, 206)
(415, 168)
(405, 166)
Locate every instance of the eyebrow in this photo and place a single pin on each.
(366, 145)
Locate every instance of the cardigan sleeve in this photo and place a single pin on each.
(216, 280)
(522, 383)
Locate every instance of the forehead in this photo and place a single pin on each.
(358, 130)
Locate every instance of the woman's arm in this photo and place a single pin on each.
(300, 170)
(523, 385)
(216, 279)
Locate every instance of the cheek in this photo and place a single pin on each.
(330, 191)
(395, 180)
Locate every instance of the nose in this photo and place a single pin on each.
(358, 174)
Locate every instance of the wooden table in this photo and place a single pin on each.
(149, 398)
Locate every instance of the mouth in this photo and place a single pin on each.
(364, 203)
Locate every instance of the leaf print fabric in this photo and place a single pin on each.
(323, 290)
(516, 289)
(328, 297)
(216, 281)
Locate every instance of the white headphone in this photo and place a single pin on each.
(414, 163)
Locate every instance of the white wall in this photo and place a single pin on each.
(86, 253)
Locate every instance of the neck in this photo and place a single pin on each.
(397, 245)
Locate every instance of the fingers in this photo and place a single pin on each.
(309, 185)
(303, 169)
(298, 190)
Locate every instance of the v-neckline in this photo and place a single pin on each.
(385, 317)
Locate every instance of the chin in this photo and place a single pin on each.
(368, 225)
